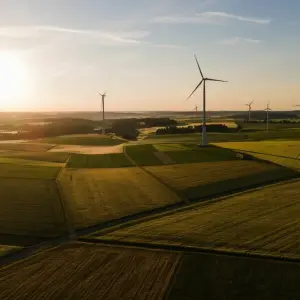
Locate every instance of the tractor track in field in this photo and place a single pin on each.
(128, 221)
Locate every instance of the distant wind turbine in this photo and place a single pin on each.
(249, 111)
(296, 106)
(203, 79)
(267, 109)
(103, 100)
(196, 108)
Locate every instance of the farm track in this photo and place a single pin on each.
(127, 222)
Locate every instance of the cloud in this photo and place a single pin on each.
(131, 37)
(239, 40)
(208, 18)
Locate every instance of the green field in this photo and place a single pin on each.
(143, 155)
(37, 156)
(114, 160)
(86, 140)
(4, 249)
(261, 221)
(199, 180)
(95, 196)
(38, 147)
(212, 277)
(17, 170)
(30, 207)
(286, 153)
(87, 271)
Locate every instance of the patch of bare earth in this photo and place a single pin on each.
(88, 149)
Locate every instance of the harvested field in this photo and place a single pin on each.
(97, 196)
(260, 221)
(164, 158)
(87, 271)
(30, 207)
(86, 140)
(143, 155)
(87, 149)
(235, 278)
(115, 160)
(199, 180)
(285, 153)
(173, 147)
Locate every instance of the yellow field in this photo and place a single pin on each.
(265, 221)
(286, 153)
(30, 207)
(87, 271)
(203, 179)
(94, 196)
(4, 249)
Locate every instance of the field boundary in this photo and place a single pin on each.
(193, 249)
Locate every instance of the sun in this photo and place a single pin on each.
(14, 79)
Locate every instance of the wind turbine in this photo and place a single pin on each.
(204, 80)
(267, 109)
(196, 108)
(250, 107)
(103, 98)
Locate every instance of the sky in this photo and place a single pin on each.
(56, 55)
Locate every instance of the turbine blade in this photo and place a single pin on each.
(194, 90)
(251, 102)
(211, 79)
(199, 67)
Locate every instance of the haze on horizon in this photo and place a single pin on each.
(56, 55)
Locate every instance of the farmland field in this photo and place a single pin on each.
(30, 207)
(87, 271)
(286, 153)
(199, 180)
(4, 249)
(36, 156)
(114, 160)
(235, 278)
(87, 140)
(98, 195)
(261, 221)
(143, 155)
(39, 147)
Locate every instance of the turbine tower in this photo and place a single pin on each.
(267, 109)
(203, 80)
(249, 111)
(103, 100)
(196, 108)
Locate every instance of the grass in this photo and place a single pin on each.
(86, 140)
(87, 271)
(32, 147)
(143, 155)
(286, 153)
(114, 160)
(37, 156)
(30, 207)
(97, 196)
(200, 180)
(224, 277)
(260, 221)
(16, 170)
(5, 249)
(173, 147)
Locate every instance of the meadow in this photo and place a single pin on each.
(207, 179)
(87, 271)
(54, 157)
(26, 146)
(95, 196)
(114, 160)
(86, 140)
(260, 221)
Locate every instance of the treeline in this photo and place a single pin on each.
(272, 121)
(196, 129)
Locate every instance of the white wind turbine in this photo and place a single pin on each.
(203, 80)
(103, 100)
(267, 109)
(196, 108)
(250, 108)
